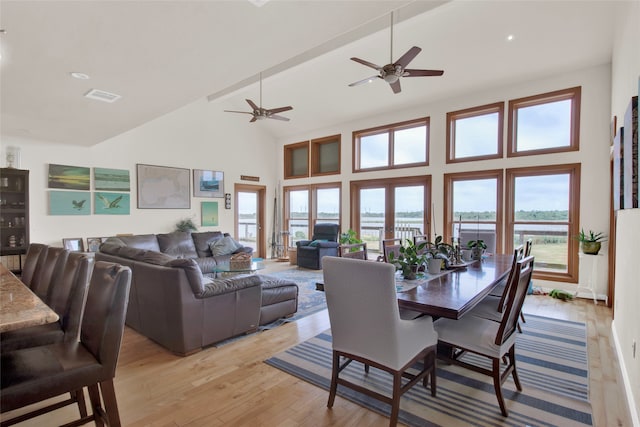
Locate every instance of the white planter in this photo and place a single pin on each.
(434, 265)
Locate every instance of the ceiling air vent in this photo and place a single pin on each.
(101, 95)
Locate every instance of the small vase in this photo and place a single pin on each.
(591, 248)
(476, 253)
(411, 273)
(434, 265)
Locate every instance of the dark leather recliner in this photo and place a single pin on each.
(323, 243)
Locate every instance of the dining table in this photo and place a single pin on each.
(452, 293)
(19, 306)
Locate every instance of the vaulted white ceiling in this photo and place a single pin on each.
(162, 55)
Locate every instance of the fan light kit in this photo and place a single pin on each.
(260, 113)
(392, 72)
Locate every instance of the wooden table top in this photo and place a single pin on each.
(453, 294)
(19, 307)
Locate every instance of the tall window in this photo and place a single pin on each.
(306, 205)
(475, 133)
(473, 207)
(546, 123)
(398, 145)
(543, 205)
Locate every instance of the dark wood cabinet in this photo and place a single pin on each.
(14, 214)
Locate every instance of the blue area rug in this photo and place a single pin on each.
(552, 365)
(309, 299)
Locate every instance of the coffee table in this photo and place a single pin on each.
(226, 269)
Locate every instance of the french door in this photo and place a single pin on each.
(250, 217)
(390, 208)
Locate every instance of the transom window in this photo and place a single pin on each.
(398, 145)
(475, 133)
(546, 123)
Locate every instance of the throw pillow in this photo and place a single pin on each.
(317, 242)
(224, 246)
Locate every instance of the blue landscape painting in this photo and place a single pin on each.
(69, 203)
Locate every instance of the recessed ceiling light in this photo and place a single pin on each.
(258, 3)
(510, 37)
(102, 95)
(80, 76)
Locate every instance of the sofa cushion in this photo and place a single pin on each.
(230, 284)
(202, 240)
(142, 241)
(224, 246)
(179, 244)
(194, 275)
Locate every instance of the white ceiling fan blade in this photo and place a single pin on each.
(273, 116)
(363, 81)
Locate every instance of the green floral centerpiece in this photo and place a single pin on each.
(410, 258)
(477, 248)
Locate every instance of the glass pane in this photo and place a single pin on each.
(542, 198)
(299, 159)
(476, 136)
(328, 205)
(409, 212)
(475, 211)
(298, 216)
(329, 157)
(247, 213)
(410, 145)
(372, 217)
(544, 126)
(550, 245)
(374, 151)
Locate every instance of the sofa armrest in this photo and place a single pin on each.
(303, 242)
(229, 284)
(328, 244)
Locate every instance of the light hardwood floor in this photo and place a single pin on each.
(230, 386)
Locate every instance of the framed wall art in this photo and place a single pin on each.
(111, 203)
(161, 187)
(75, 244)
(208, 183)
(209, 214)
(69, 177)
(111, 179)
(69, 203)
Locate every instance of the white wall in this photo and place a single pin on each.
(625, 71)
(198, 136)
(593, 154)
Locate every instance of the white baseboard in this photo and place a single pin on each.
(635, 420)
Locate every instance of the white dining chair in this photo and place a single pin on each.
(366, 327)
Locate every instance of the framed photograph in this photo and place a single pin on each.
(209, 213)
(208, 183)
(161, 187)
(69, 203)
(69, 177)
(74, 244)
(111, 179)
(93, 243)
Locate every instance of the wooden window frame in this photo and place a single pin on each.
(389, 129)
(312, 203)
(573, 94)
(452, 116)
(316, 145)
(450, 178)
(288, 158)
(573, 169)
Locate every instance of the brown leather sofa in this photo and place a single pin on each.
(173, 303)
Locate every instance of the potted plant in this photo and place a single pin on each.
(590, 243)
(439, 253)
(410, 258)
(477, 248)
(186, 225)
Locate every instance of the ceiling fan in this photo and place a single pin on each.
(260, 113)
(392, 72)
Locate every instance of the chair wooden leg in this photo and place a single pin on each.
(334, 379)
(395, 399)
(519, 327)
(497, 385)
(96, 405)
(78, 396)
(110, 403)
(512, 356)
(522, 317)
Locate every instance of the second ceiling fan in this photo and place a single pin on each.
(392, 72)
(260, 113)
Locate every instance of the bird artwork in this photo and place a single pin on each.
(78, 204)
(110, 204)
